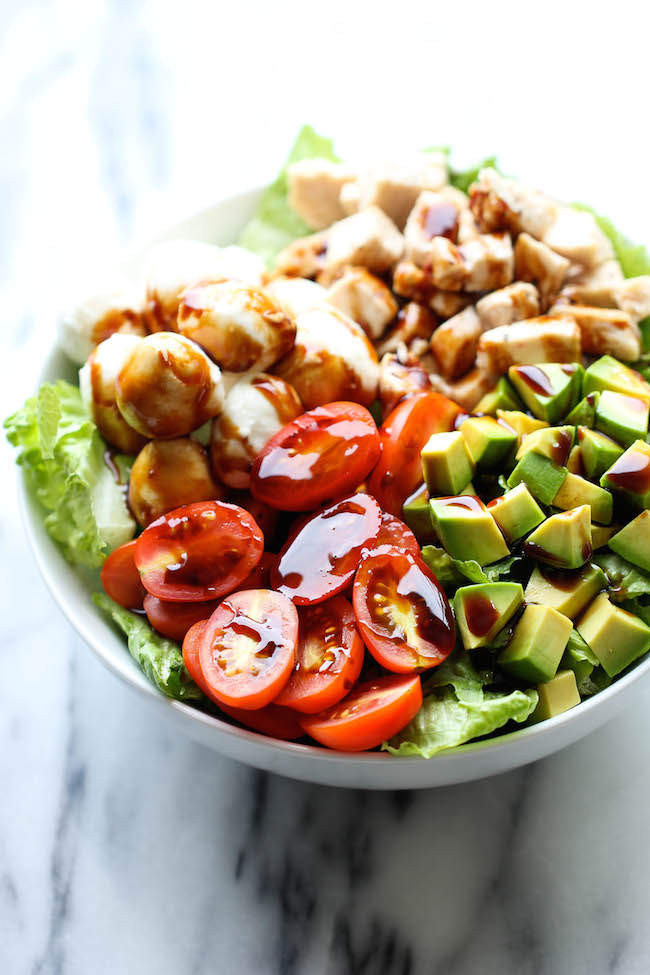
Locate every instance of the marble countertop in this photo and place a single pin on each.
(123, 847)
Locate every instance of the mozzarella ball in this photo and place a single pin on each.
(296, 294)
(174, 265)
(167, 474)
(400, 375)
(168, 387)
(332, 359)
(255, 409)
(97, 386)
(241, 327)
(117, 308)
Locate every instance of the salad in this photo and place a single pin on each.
(378, 476)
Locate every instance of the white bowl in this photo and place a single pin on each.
(71, 589)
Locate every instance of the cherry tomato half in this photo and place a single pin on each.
(260, 577)
(248, 648)
(394, 532)
(175, 619)
(320, 559)
(320, 455)
(198, 552)
(329, 657)
(403, 435)
(191, 646)
(371, 713)
(402, 612)
(121, 579)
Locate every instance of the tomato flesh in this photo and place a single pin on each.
(173, 620)
(121, 579)
(320, 455)
(275, 721)
(371, 713)
(320, 559)
(329, 657)
(402, 612)
(394, 532)
(198, 552)
(403, 435)
(248, 648)
(260, 577)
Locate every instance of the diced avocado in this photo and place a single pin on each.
(598, 452)
(417, 515)
(624, 418)
(567, 592)
(520, 422)
(601, 534)
(553, 442)
(578, 657)
(467, 530)
(633, 541)
(516, 513)
(615, 636)
(537, 645)
(630, 474)
(540, 474)
(502, 397)
(576, 490)
(446, 463)
(585, 412)
(574, 464)
(556, 696)
(563, 540)
(609, 373)
(483, 610)
(488, 441)
(549, 389)
(469, 489)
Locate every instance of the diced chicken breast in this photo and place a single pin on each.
(116, 307)
(368, 238)
(537, 263)
(97, 386)
(454, 343)
(499, 203)
(332, 359)
(507, 305)
(448, 267)
(255, 409)
(364, 298)
(168, 474)
(542, 339)
(241, 327)
(489, 262)
(466, 391)
(400, 375)
(467, 226)
(414, 321)
(596, 286)
(314, 190)
(296, 294)
(434, 215)
(302, 258)
(607, 331)
(576, 235)
(395, 186)
(633, 296)
(410, 281)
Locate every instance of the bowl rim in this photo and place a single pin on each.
(39, 541)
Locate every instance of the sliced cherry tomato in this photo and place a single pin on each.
(260, 577)
(320, 455)
(329, 657)
(371, 713)
(121, 579)
(266, 517)
(394, 532)
(191, 646)
(402, 612)
(320, 559)
(272, 720)
(248, 648)
(175, 619)
(198, 552)
(403, 435)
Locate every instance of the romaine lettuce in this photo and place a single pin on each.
(633, 258)
(626, 580)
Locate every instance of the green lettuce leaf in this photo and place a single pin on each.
(449, 572)
(275, 224)
(633, 258)
(62, 455)
(462, 179)
(503, 569)
(626, 580)
(594, 682)
(161, 659)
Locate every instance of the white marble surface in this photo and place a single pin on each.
(124, 849)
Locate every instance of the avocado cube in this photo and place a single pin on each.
(609, 373)
(630, 474)
(416, 513)
(563, 540)
(598, 452)
(488, 441)
(446, 463)
(574, 464)
(553, 442)
(467, 530)
(516, 513)
(578, 657)
(556, 696)
(615, 636)
(633, 541)
(502, 397)
(624, 418)
(585, 412)
(542, 476)
(567, 592)
(520, 422)
(482, 610)
(537, 645)
(576, 490)
(601, 534)
(549, 389)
